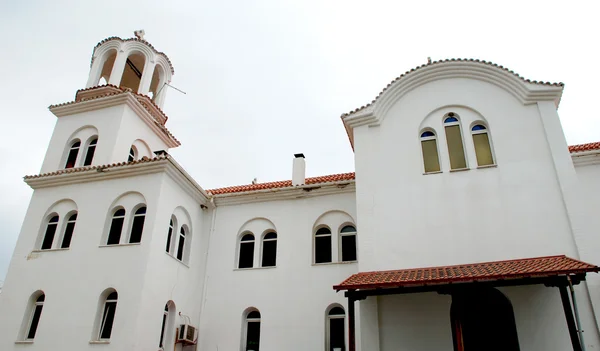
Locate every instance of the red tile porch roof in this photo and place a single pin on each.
(510, 269)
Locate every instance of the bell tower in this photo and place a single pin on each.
(118, 116)
(131, 63)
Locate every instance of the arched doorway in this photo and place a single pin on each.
(483, 319)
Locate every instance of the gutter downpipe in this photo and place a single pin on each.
(579, 330)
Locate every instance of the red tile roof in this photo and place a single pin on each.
(585, 147)
(451, 60)
(511, 269)
(281, 184)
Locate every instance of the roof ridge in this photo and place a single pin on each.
(431, 63)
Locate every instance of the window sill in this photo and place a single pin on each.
(175, 258)
(487, 166)
(253, 268)
(436, 172)
(332, 263)
(120, 245)
(24, 342)
(459, 170)
(47, 250)
(99, 341)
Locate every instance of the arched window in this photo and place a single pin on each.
(164, 325)
(89, 155)
(116, 227)
(68, 235)
(269, 250)
(323, 245)
(169, 235)
(252, 331)
(348, 241)
(36, 313)
(481, 141)
(336, 340)
(456, 149)
(132, 154)
(132, 74)
(50, 232)
(181, 244)
(431, 160)
(72, 156)
(108, 316)
(246, 255)
(138, 225)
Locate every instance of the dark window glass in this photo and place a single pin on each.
(253, 315)
(50, 232)
(72, 158)
(35, 319)
(478, 127)
(450, 120)
(169, 234)
(323, 231)
(349, 248)
(181, 246)
(337, 311)
(253, 333)
(427, 134)
(336, 334)
(108, 317)
(269, 253)
(138, 225)
(114, 235)
(164, 324)
(246, 259)
(89, 155)
(131, 155)
(323, 249)
(69, 231)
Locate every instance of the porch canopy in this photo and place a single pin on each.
(558, 271)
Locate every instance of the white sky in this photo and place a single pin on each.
(266, 79)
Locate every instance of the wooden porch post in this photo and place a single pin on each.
(351, 323)
(564, 296)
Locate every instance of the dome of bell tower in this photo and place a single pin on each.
(131, 63)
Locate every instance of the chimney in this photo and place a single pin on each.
(298, 171)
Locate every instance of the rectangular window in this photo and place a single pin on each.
(323, 249)
(455, 147)
(68, 235)
(246, 255)
(180, 247)
(269, 255)
(49, 237)
(253, 337)
(136, 229)
(348, 248)
(482, 149)
(35, 320)
(430, 156)
(114, 236)
(107, 319)
(336, 334)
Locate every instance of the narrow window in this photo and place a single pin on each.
(72, 157)
(253, 331)
(481, 141)
(35, 316)
(169, 234)
(335, 329)
(66, 242)
(323, 245)
(108, 316)
(246, 259)
(455, 144)
(132, 154)
(89, 155)
(164, 325)
(138, 225)
(50, 232)
(181, 244)
(348, 238)
(431, 160)
(269, 250)
(116, 226)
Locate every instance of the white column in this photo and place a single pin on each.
(95, 72)
(117, 72)
(144, 87)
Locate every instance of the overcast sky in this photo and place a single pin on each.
(267, 79)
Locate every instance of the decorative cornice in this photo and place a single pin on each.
(115, 99)
(287, 193)
(586, 158)
(526, 91)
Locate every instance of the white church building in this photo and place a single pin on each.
(469, 224)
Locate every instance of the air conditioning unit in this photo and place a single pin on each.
(187, 334)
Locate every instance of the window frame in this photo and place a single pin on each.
(423, 139)
(132, 219)
(315, 236)
(45, 229)
(32, 313)
(69, 220)
(462, 139)
(328, 318)
(133, 154)
(241, 242)
(110, 224)
(262, 247)
(103, 315)
(342, 234)
(486, 130)
(91, 146)
(170, 242)
(71, 146)
(182, 235)
(246, 321)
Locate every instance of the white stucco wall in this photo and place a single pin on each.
(291, 297)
